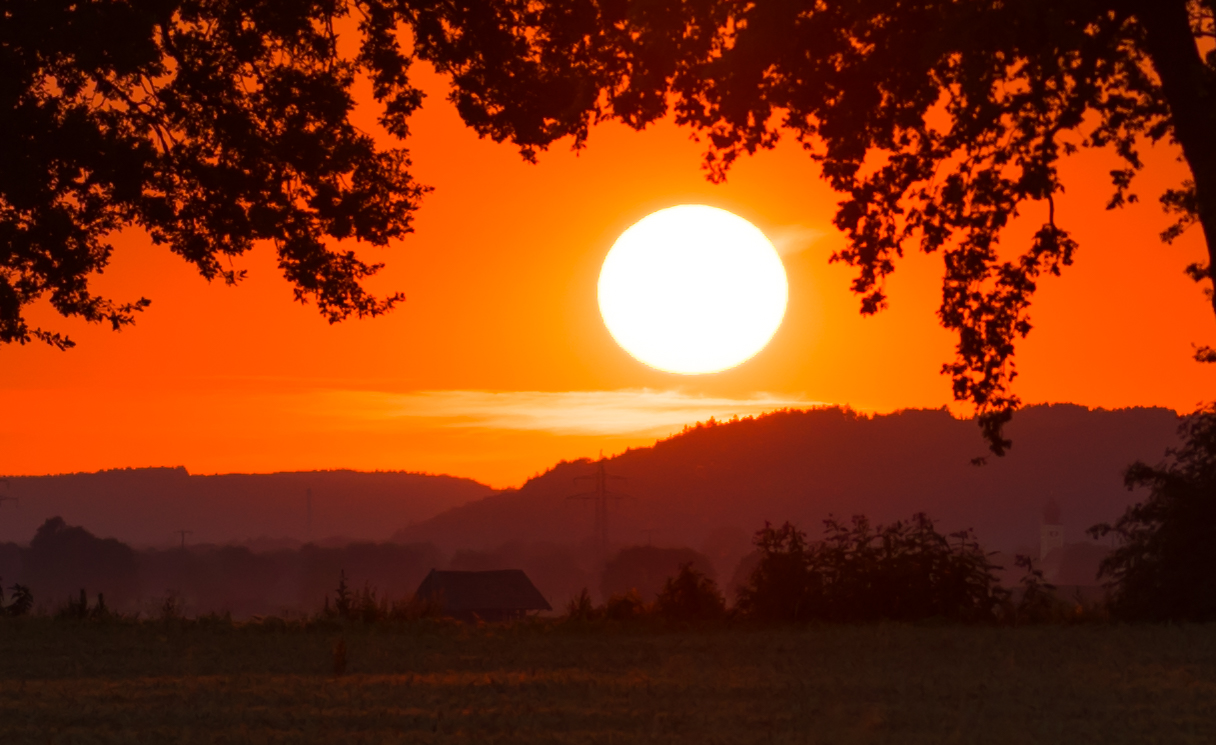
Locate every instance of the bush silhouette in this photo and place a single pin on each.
(344, 600)
(903, 571)
(581, 608)
(21, 603)
(367, 606)
(780, 587)
(75, 609)
(690, 596)
(1162, 568)
(1037, 601)
(625, 606)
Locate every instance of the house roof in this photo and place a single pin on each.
(502, 589)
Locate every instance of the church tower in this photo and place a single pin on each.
(1051, 532)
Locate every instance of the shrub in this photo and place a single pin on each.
(625, 606)
(1037, 599)
(904, 571)
(690, 596)
(21, 604)
(79, 610)
(581, 608)
(414, 608)
(366, 606)
(780, 587)
(76, 610)
(344, 604)
(172, 608)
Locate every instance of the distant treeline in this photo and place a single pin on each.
(62, 560)
(912, 571)
(857, 572)
(145, 506)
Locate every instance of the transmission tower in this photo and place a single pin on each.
(6, 497)
(600, 494)
(307, 515)
(183, 534)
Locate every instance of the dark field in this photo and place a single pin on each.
(70, 682)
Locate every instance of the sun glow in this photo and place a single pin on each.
(692, 289)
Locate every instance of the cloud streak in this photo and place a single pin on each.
(620, 412)
(793, 239)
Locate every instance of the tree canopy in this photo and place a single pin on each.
(937, 120)
(904, 571)
(1160, 568)
(213, 124)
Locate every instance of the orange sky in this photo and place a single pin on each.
(498, 364)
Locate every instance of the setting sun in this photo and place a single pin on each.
(692, 289)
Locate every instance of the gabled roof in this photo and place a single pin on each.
(499, 590)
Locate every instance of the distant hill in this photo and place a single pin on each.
(144, 506)
(708, 488)
(713, 485)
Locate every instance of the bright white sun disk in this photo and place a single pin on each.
(692, 289)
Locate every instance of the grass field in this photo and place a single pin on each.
(64, 682)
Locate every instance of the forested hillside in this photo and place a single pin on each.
(713, 485)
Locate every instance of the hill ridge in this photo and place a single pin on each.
(802, 464)
(145, 506)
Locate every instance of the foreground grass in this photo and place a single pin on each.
(65, 682)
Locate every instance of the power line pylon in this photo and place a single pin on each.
(600, 494)
(183, 534)
(6, 497)
(308, 515)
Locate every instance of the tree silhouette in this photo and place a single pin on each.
(690, 596)
(1161, 567)
(902, 571)
(782, 586)
(212, 125)
(21, 602)
(938, 121)
(63, 558)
